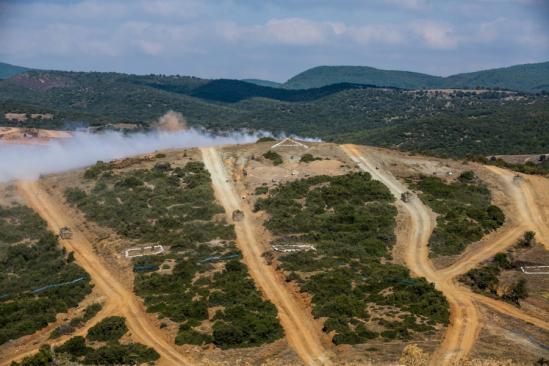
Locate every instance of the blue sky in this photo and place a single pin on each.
(272, 40)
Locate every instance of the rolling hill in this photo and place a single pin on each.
(454, 122)
(7, 70)
(528, 77)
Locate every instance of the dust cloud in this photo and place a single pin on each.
(28, 162)
(172, 122)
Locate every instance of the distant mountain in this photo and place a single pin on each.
(7, 70)
(272, 84)
(528, 77)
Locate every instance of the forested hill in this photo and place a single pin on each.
(7, 70)
(528, 77)
(272, 84)
(455, 122)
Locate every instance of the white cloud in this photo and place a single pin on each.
(436, 35)
(185, 9)
(409, 4)
(296, 31)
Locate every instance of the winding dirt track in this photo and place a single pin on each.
(121, 301)
(298, 325)
(466, 320)
(463, 331)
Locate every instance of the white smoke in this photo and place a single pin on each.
(85, 149)
(18, 162)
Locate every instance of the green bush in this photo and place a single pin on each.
(192, 337)
(265, 139)
(484, 277)
(76, 346)
(271, 155)
(111, 328)
(160, 156)
(502, 260)
(261, 190)
(306, 158)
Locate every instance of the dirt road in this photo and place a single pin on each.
(121, 301)
(463, 331)
(298, 324)
(466, 320)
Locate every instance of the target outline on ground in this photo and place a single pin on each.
(142, 249)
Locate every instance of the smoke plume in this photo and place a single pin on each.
(18, 162)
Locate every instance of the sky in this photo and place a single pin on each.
(273, 40)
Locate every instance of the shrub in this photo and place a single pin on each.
(265, 139)
(484, 277)
(271, 155)
(501, 260)
(306, 158)
(516, 292)
(111, 328)
(261, 190)
(75, 346)
(160, 156)
(192, 337)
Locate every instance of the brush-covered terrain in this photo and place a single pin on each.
(31, 259)
(212, 301)
(287, 253)
(455, 122)
(350, 222)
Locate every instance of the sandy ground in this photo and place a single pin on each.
(298, 325)
(120, 301)
(29, 137)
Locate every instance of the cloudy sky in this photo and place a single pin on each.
(271, 39)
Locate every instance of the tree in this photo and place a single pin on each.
(501, 260)
(529, 237)
(517, 291)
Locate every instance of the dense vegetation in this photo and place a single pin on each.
(492, 127)
(493, 122)
(272, 84)
(112, 353)
(465, 209)
(350, 222)
(30, 259)
(175, 208)
(528, 77)
(89, 312)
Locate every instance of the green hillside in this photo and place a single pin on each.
(272, 84)
(529, 77)
(517, 127)
(7, 70)
(503, 122)
(326, 75)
